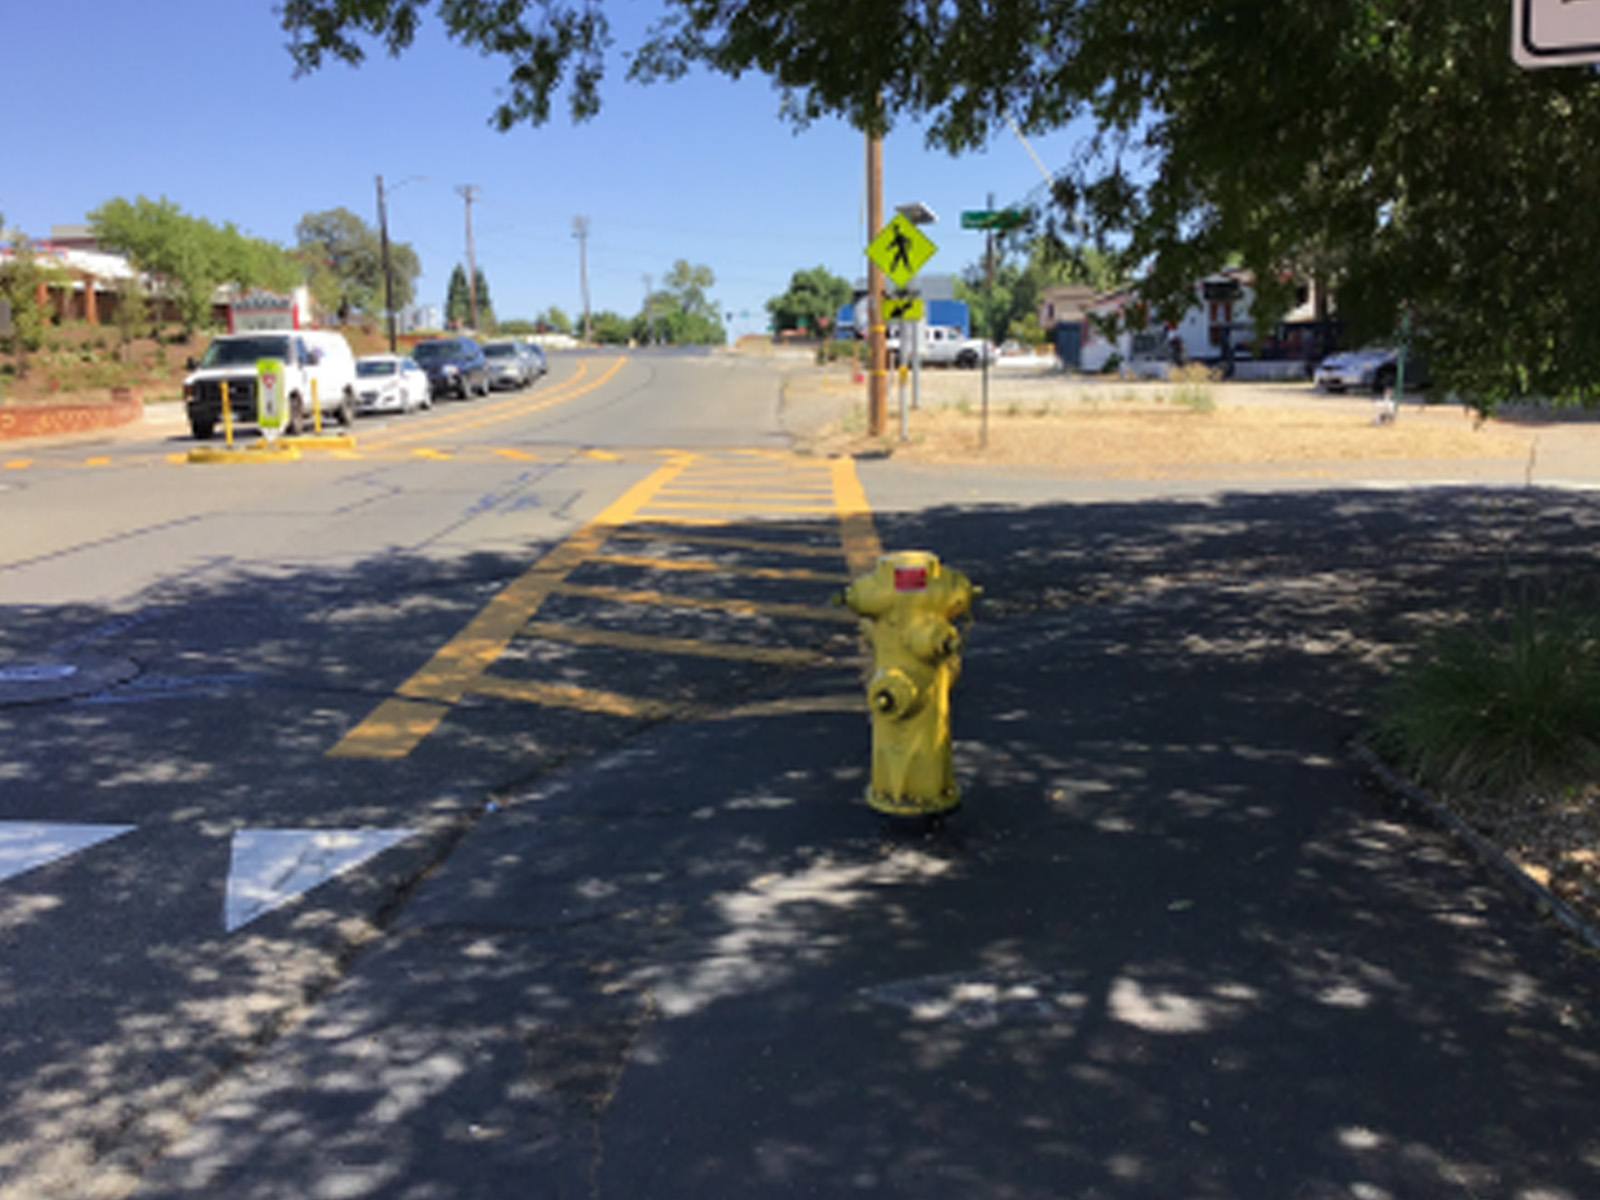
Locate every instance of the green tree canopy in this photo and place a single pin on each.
(812, 301)
(1025, 265)
(457, 300)
(610, 329)
(485, 305)
(21, 275)
(1388, 148)
(189, 256)
(344, 256)
(681, 312)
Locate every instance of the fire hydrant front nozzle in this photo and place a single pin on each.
(910, 605)
(893, 694)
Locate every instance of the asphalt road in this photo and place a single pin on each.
(183, 645)
(476, 815)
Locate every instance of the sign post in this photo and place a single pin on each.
(990, 221)
(901, 250)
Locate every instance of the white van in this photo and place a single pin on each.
(308, 355)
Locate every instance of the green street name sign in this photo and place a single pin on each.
(999, 220)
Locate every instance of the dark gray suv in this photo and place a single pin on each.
(455, 366)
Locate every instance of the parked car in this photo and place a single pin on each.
(391, 383)
(318, 369)
(509, 365)
(535, 354)
(454, 365)
(1371, 369)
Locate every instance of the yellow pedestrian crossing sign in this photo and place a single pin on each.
(900, 250)
(903, 308)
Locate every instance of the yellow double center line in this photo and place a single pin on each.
(461, 666)
(498, 412)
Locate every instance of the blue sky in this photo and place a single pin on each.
(195, 100)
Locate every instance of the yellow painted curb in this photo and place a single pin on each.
(259, 452)
(331, 441)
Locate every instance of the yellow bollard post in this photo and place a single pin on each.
(316, 409)
(227, 416)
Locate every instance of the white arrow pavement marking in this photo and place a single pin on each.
(270, 867)
(25, 845)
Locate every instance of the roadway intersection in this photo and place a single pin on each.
(462, 823)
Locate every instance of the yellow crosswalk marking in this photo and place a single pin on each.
(674, 503)
(716, 568)
(732, 604)
(392, 730)
(800, 549)
(587, 635)
(458, 664)
(847, 702)
(566, 695)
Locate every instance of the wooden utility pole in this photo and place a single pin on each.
(877, 350)
(469, 193)
(580, 230)
(388, 268)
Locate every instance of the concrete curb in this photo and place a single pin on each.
(1443, 817)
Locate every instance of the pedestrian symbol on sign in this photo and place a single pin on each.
(900, 250)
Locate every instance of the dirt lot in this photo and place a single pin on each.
(1149, 430)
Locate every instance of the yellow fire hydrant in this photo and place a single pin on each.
(915, 612)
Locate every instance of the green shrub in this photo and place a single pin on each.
(835, 349)
(1506, 705)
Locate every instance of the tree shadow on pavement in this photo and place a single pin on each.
(1172, 946)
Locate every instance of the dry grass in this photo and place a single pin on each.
(1179, 441)
(1145, 430)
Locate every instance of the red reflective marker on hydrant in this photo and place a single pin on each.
(911, 605)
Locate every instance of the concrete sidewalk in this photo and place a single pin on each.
(1174, 946)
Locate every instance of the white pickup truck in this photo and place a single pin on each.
(943, 346)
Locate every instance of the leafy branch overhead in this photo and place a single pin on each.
(1390, 149)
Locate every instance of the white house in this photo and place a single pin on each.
(1219, 319)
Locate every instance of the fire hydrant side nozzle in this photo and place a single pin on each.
(910, 605)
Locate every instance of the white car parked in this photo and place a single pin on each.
(1370, 369)
(391, 383)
